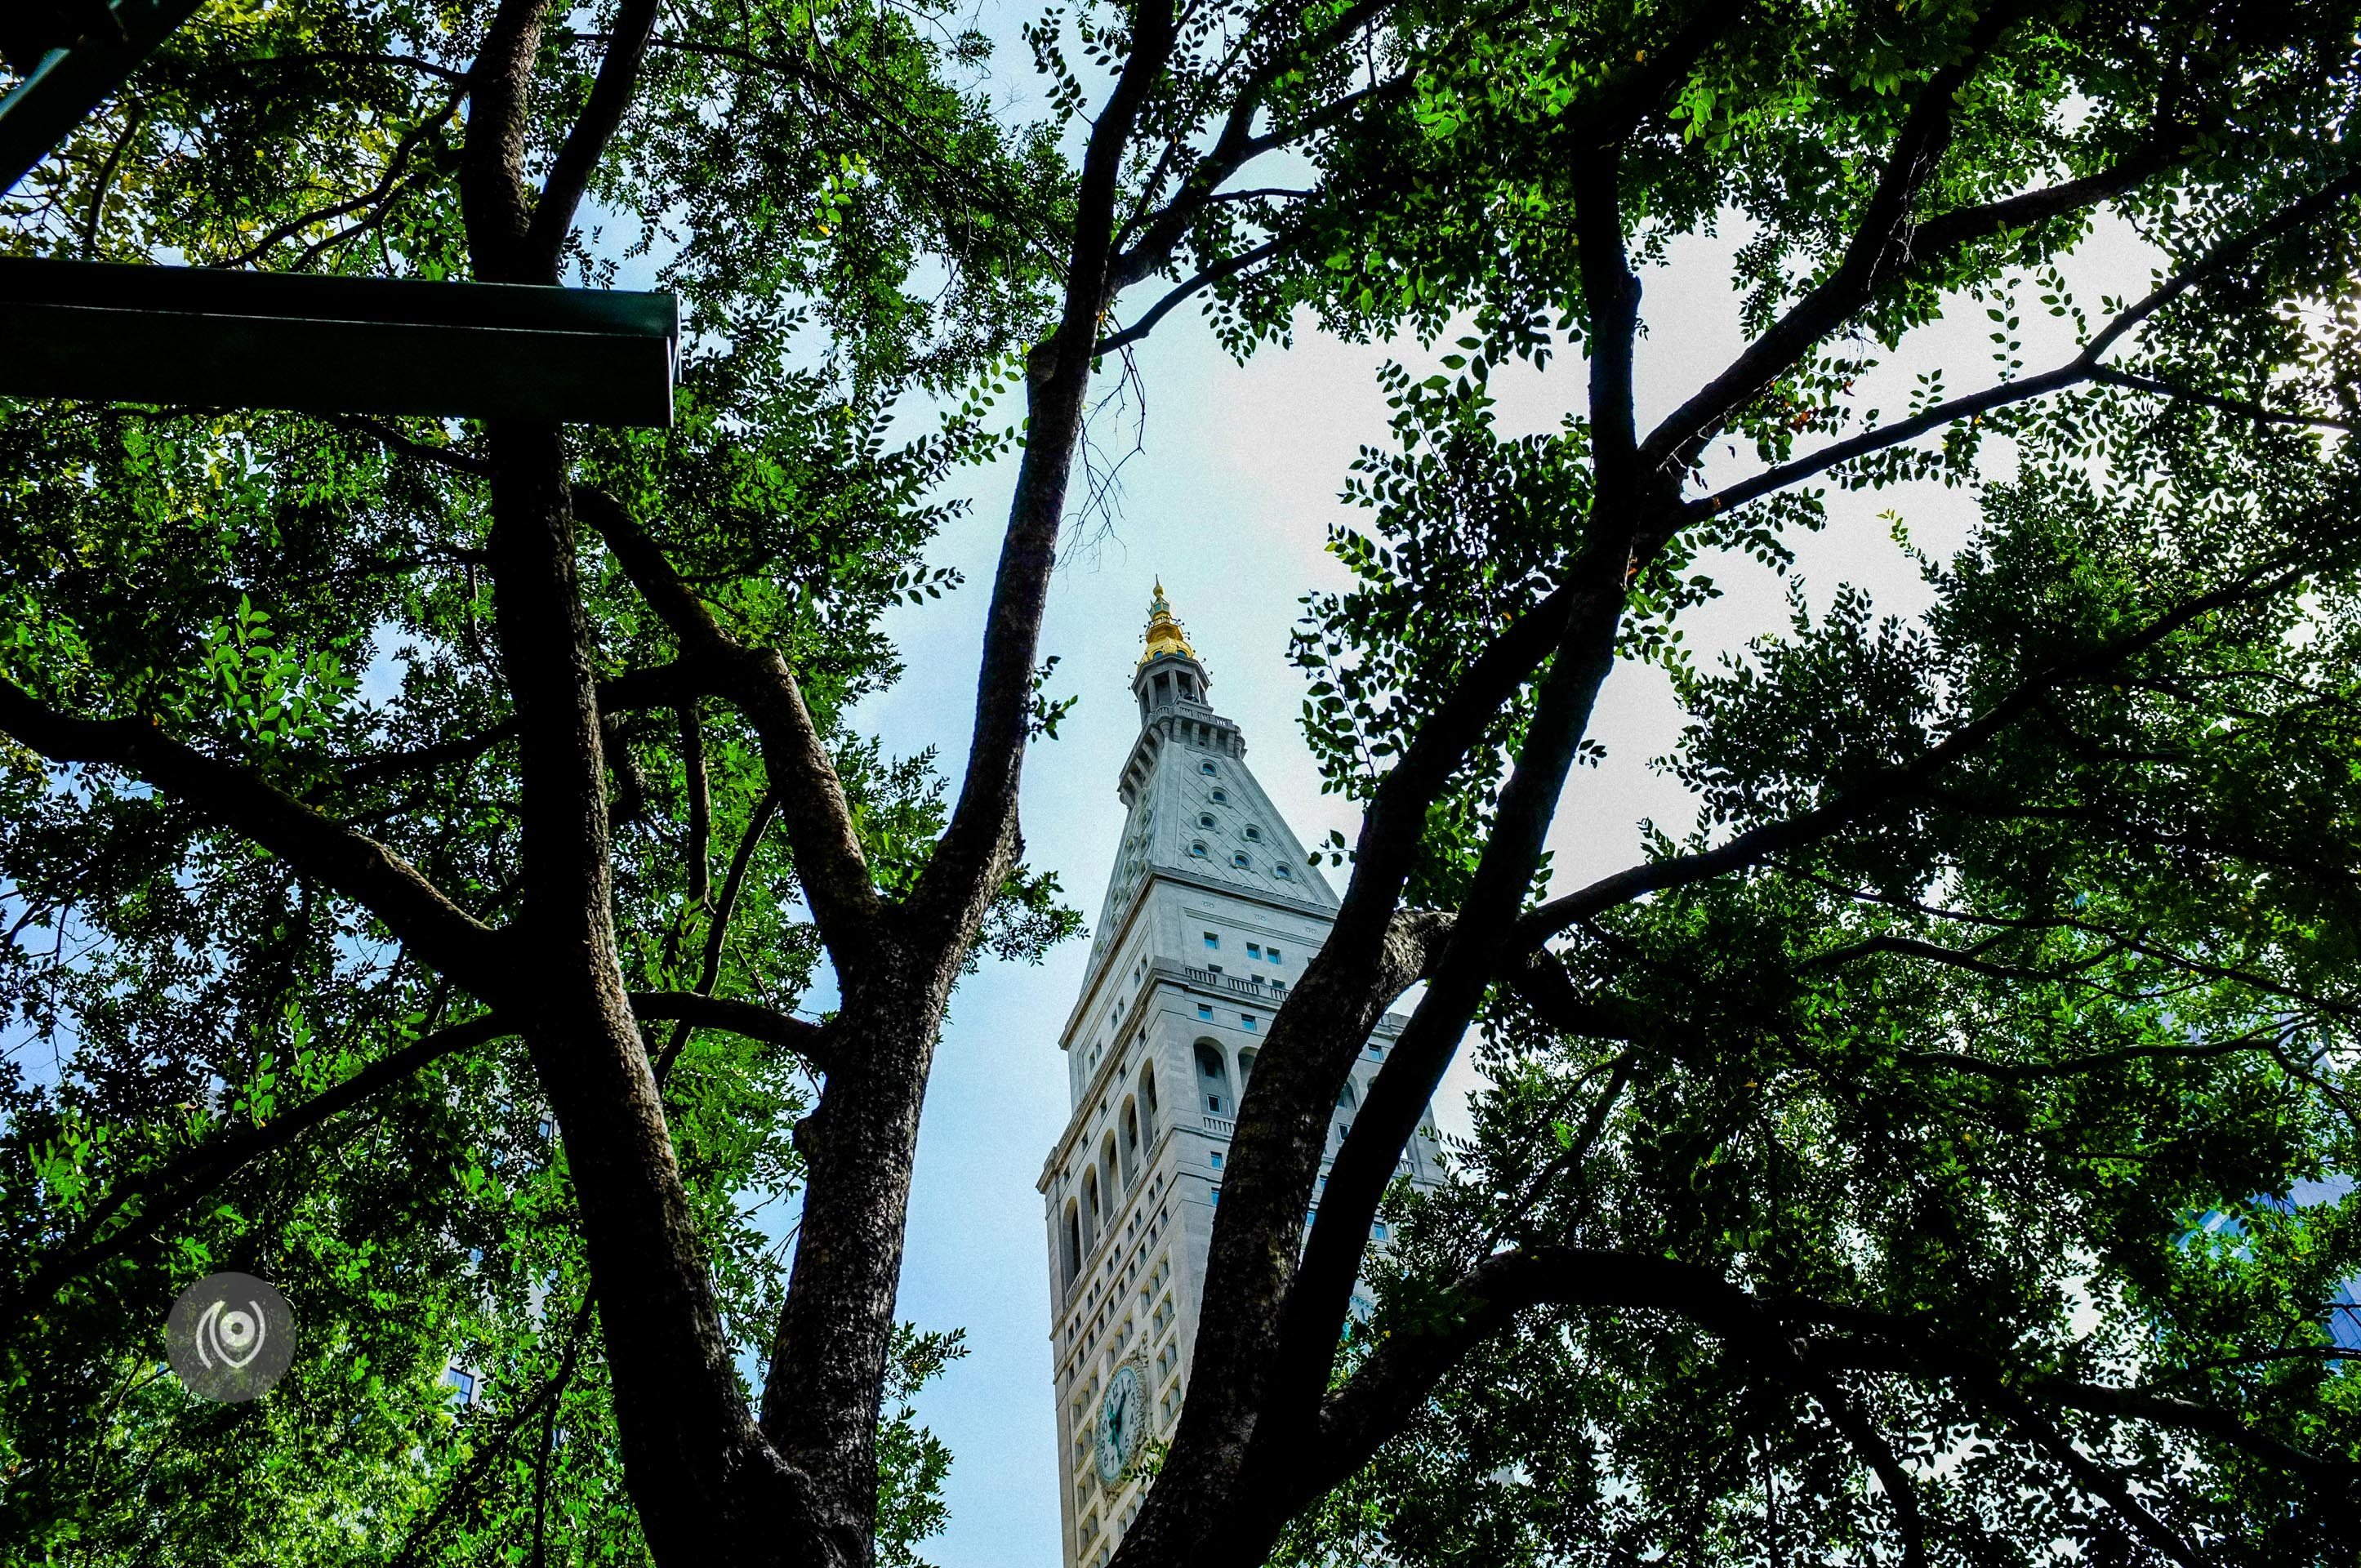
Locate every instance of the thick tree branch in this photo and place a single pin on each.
(316, 847)
(1319, 1296)
(976, 848)
(700, 1469)
(491, 163)
(696, 1011)
(1880, 245)
(828, 859)
(1541, 982)
(1611, 292)
(586, 143)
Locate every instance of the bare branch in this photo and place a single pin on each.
(2237, 405)
(463, 1487)
(700, 804)
(717, 930)
(389, 185)
(1236, 145)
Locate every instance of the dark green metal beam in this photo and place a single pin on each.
(177, 334)
(66, 83)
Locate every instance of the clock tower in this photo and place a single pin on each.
(1212, 909)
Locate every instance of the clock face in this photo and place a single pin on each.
(1123, 1421)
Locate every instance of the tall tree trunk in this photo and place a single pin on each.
(708, 1488)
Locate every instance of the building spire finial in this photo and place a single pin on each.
(1164, 636)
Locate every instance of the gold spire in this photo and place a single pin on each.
(1164, 634)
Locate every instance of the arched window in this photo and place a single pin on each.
(1071, 1243)
(1147, 1100)
(1344, 1098)
(1254, 833)
(1090, 1211)
(1204, 819)
(1282, 873)
(1197, 848)
(1221, 798)
(1130, 1143)
(1206, 768)
(1214, 1077)
(1245, 1068)
(1240, 861)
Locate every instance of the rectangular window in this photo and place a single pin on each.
(1378, 1230)
(1217, 1159)
(1245, 1020)
(1217, 1194)
(1212, 941)
(1213, 1103)
(1206, 1012)
(1254, 950)
(1274, 955)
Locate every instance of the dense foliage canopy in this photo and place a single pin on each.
(417, 837)
(313, 598)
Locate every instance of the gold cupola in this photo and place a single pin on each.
(1169, 674)
(1164, 635)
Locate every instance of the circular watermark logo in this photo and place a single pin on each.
(230, 1337)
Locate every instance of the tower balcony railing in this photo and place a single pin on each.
(1245, 985)
(1222, 1125)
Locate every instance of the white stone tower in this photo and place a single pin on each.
(1212, 909)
